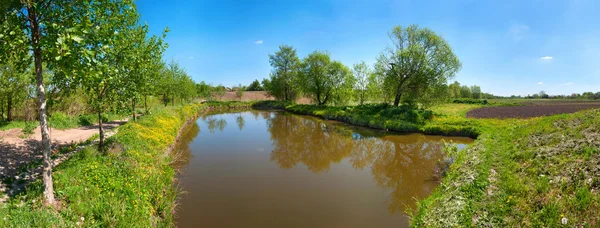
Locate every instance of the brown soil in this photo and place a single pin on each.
(531, 110)
(17, 149)
(255, 96)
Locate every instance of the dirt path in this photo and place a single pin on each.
(16, 150)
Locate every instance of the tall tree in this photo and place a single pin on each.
(418, 61)
(476, 92)
(14, 62)
(324, 80)
(254, 86)
(362, 72)
(454, 90)
(33, 17)
(105, 40)
(465, 92)
(282, 84)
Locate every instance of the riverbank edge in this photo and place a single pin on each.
(469, 129)
(169, 152)
(465, 178)
(498, 180)
(132, 184)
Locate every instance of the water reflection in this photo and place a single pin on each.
(273, 169)
(403, 164)
(240, 121)
(182, 152)
(302, 140)
(214, 123)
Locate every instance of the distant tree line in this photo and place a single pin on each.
(415, 68)
(543, 95)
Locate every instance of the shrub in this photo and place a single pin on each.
(29, 128)
(470, 101)
(271, 104)
(87, 120)
(60, 120)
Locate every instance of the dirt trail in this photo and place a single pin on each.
(16, 150)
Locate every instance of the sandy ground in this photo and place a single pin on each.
(16, 150)
(255, 96)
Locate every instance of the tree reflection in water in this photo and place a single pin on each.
(182, 152)
(402, 164)
(240, 121)
(214, 123)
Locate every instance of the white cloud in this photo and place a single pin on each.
(547, 58)
(569, 83)
(518, 31)
(191, 57)
(540, 83)
(258, 42)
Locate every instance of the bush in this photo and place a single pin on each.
(271, 105)
(60, 120)
(87, 120)
(29, 128)
(470, 101)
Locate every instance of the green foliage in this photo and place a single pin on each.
(405, 118)
(6, 125)
(60, 120)
(240, 92)
(282, 82)
(362, 75)
(469, 101)
(270, 105)
(254, 86)
(583, 198)
(205, 91)
(534, 173)
(220, 91)
(134, 174)
(29, 127)
(419, 61)
(325, 81)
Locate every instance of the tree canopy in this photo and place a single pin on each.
(418, 61)
(281, 84)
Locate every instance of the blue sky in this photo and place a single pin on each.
(507, 47)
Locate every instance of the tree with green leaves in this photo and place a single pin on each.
(205, 91)
(14, 64)
(33, 17)
(325, 80)
(220, 91)
(282, 82)
(475, 92)
(175, 84)
(362, 73)
(239, 93)
(144, 63)
(14, 84)
(454, 90)
(465, 92)
(418, 61)
(254, 86)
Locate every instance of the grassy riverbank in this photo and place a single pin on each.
(129, 186)
(402, 119)
(541, 172)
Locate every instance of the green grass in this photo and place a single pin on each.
(522, 173)
(382, 116)
(4, 125)
(61, 121)
(129, 186)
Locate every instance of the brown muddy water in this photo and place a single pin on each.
(275, 169)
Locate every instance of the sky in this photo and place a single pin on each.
(511, 47)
